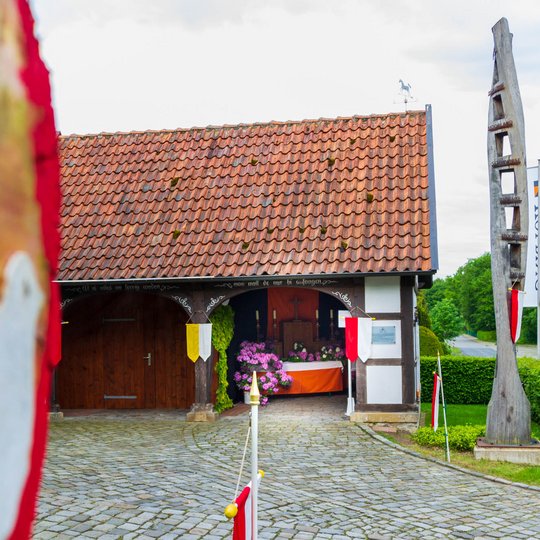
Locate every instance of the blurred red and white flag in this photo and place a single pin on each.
(516, 311)
(29, 249)
(435, 402)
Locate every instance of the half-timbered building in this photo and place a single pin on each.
(291, 222)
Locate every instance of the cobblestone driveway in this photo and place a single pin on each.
(155, 476)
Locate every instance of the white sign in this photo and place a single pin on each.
(341, 314)
(386, 339)
(531, 277)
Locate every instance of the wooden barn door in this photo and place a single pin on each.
(174, 372)
(125, 351)
(129, 372)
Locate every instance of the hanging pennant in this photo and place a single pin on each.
(205, 341)
(199, 341)
(358, 332)
(516, 312)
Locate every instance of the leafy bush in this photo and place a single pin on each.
(529, 371)
(528, 326)
(446, 321)
(423, 311)
(222, 333)
(429, 343)
(486, 335)
(469, 379)
(460, 438)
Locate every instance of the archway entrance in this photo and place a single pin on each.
(287, 318)
(124, 351)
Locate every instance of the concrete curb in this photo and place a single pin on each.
(384, 440)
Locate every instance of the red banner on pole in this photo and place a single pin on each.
(351, 338)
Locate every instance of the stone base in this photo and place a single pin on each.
(56, 416)
(388, 421)
(202, 412)
(526, 455)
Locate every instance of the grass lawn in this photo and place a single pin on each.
(475, 415)
(459, 415)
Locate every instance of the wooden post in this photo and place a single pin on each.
(202, 410)
(508, 418)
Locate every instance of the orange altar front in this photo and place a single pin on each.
(313, 377)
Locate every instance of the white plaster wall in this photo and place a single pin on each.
(391, 350)
(383, 294)
(384, 384)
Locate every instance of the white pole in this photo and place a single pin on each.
(254, 400)
(536, 204)
(350, 399)
(444, 409)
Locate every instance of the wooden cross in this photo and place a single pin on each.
(296, 301)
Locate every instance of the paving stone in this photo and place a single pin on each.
(149, 475)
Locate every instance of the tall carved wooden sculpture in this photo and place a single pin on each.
(508, 419)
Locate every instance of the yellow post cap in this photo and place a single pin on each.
(231, 510)
(254, 394)
(261, 472)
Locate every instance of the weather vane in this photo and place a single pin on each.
(404, 94)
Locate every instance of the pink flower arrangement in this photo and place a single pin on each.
(326, 354)
(300, 354)
(332, 353)
(260, 358)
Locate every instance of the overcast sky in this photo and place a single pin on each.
(121, 65)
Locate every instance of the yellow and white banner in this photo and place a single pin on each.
(199, 341)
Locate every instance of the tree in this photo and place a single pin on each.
(474, 292)
(446, 320)
(423, 311)
(437, 292)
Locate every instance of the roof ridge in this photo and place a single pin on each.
(240, 125)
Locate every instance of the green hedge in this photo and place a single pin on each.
(469, 380)
(487, 335)
(529, 371)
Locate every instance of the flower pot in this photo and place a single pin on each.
(246, 398)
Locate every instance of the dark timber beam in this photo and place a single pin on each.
(203, 409)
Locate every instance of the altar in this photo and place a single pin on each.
(313, 377)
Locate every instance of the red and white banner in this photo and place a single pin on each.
(516, 311)
(242, 520)
(435, 402)
(358, 335)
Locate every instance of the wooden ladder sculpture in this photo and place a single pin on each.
(508, 418)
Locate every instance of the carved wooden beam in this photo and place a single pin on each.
(508, 420)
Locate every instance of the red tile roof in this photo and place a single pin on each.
(348, 195)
